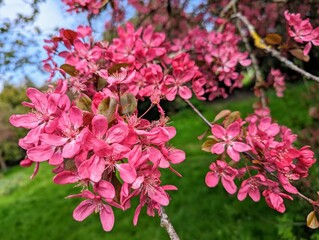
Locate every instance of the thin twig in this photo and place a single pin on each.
(306, 198)
(166, 223)
(227, 7)
(291, 65)
(198, 112)
(273, 51)
(260, 83)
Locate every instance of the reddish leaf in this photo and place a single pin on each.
(298, 53)
(70, 35)
(312, 221)
(207, 145)
(231, 118)
(222, 114)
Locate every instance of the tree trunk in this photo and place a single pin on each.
(3, 163)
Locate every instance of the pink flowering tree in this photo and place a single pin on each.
(88, 126)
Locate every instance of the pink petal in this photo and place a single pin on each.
(99, 125)
(76, 117)
(243, 191)
(107, 217)
(254, 194)
(105, 189)
(176, 156)
(40, 153)
(56, 158)
(171, 93)
(70, 149)
(159, 195)
(184, 92)
(65, 177)
(52, 139)
(241, 147)
(233, 130)
(136, 214)
(233, 154)
(307, 49)
(127, 173)
(229, 184)
(83, 210)
(218, 148)
(219, 132)
(92, 169)
(117, 133)
(212, 179)
(27, 121)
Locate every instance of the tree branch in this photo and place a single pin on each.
(166, 223)
(259, 42)
(227, 7)
(260, 83)
(198, 112)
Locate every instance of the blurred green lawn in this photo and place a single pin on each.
(37, 209)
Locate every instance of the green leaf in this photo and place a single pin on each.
(101, 83)
(69, 69)
(116, 67)
(128, 104)
(117, 174)
(107, 107)
(84, 103)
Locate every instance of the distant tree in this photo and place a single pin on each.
(10, 102)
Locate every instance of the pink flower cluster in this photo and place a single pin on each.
(219, 57)
(138, 59)
(302, 31)
(100, 144)
(277, 79)
(152, 67)
(261, 155)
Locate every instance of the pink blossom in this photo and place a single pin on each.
(220, 169)
(302, 31)
(228, 136)
(176, 85)
(275, 199)
(94, 203)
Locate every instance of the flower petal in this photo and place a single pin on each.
(107, 217)
(83, 210)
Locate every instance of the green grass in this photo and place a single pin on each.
(37, 209)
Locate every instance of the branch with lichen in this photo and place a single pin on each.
(259, 43)
(166, 223)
